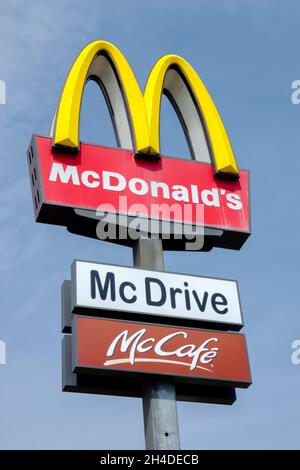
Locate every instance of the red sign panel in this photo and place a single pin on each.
(186, 354)
(114, 180)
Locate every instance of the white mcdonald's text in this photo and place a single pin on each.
(114, 181)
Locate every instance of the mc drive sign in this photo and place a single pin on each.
(97, 288)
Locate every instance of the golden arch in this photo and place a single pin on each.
(136, 117)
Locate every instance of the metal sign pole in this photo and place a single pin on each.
(159, 400)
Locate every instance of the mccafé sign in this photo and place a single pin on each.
(138, 348)
(68, 176)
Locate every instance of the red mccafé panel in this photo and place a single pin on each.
(206, 355)
(167, 170)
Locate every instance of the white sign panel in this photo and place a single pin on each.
(109, 287)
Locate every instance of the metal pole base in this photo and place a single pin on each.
(160, 417)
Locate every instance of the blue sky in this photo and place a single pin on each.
(247, 53)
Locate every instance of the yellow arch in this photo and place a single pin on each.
(223, 155)
(143, 111)
(67, 120)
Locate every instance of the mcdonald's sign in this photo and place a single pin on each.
(70, 180)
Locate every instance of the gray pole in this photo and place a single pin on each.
(159, 400)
